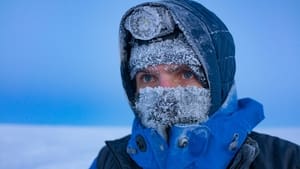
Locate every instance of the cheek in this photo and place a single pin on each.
(196, 83)
(140, 84)
(190, 82)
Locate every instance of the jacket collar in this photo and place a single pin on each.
(194, 145)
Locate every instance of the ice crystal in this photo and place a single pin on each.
(160, 107)
(170, 51)
(148, 22)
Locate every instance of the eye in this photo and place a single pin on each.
(187, 74)
(146, 78)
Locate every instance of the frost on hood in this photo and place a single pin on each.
(169, 51)
(160, 108)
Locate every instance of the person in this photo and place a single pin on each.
(178, 67)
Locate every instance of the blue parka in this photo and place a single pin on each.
(210, 145)
(226, 140)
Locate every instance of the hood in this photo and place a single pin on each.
(208, 37)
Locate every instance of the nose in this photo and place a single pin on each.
(166, 80)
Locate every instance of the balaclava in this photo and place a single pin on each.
(157, 41)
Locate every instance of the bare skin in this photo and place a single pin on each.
(166, 76)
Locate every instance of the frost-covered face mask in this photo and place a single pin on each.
(160, 107)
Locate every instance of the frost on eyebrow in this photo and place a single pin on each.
(166, 67)
(160, 107)
(175, 68)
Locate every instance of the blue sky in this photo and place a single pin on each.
(59, 60)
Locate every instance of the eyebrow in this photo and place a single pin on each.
(170, 69)
(143, 71)
(177, 68)
(147, 71)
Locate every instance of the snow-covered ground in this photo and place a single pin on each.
(60, 147)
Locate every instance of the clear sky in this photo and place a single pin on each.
(59, 59)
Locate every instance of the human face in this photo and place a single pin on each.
(166, 76)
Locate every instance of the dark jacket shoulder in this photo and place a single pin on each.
(275, 153)
(114, 155)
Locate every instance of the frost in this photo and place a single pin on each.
(170, 51)
(160, 107)
(147, 22)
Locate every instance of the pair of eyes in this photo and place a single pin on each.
(150, 77)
